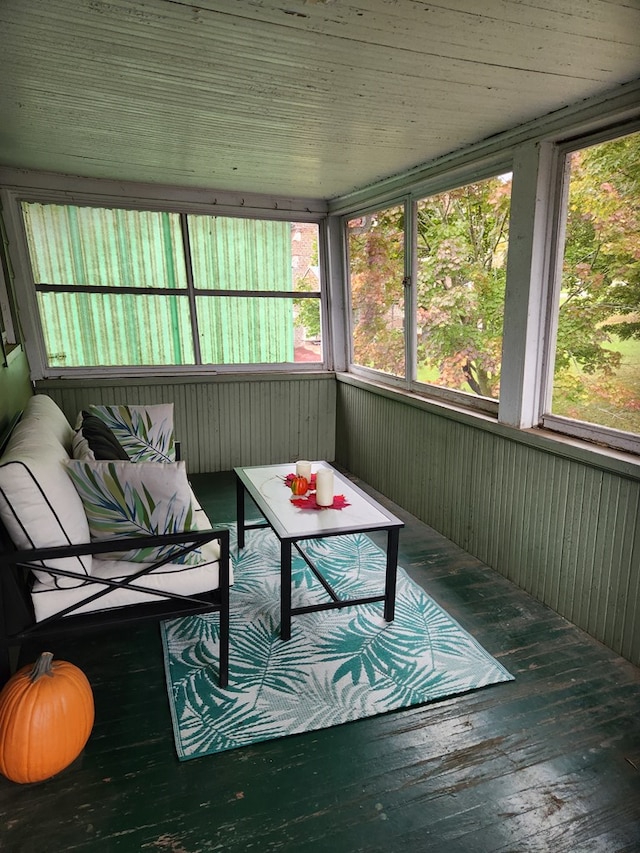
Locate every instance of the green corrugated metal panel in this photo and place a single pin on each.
(123, 248)
(245, 330)
(566, 532)
(101, 246)
(88, 329)
(240, 254)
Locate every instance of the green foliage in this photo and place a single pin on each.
(376, 252)
(600, 294)
(461, 248)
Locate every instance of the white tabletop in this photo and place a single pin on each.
(267, 487)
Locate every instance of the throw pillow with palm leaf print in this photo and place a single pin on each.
(136, 499)
(145, 432)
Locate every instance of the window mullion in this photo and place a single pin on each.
(523, 346)
(410, 292)
(186, 245)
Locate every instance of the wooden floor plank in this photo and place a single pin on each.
(548, 762)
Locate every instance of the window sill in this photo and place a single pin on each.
(607, 459)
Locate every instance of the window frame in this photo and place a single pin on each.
(26, 294)
(441, 183)
(9, 328)
(354, 367)
(536, 240)
(572, 427)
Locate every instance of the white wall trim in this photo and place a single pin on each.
(525, 321)
(78, 190)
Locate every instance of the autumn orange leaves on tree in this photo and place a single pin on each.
(376, 245)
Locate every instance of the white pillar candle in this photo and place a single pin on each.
(303, 469)
(324, 487)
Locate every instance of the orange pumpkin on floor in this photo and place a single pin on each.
(46, 717)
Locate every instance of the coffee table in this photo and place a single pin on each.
(291, 524)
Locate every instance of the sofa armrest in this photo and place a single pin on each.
(18, 623)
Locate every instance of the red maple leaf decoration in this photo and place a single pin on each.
(309, 502)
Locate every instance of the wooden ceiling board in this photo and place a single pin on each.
(308, 98)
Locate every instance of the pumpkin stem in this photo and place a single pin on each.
(41, 667)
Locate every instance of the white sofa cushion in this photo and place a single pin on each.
(183, 579)
(145, 432)
(135, 499)
(54, 424)
(39, 506)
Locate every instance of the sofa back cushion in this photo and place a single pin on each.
(38, 504)
(53, 424)
(145, 432)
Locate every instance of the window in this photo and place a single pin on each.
(459, 243)
(462, 239)
(596, 363)
(376, 264)
(129, 288)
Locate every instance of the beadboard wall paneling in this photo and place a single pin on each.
(565, 531)
(221, 422)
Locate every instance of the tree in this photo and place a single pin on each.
(376, 252)
(461, 246)
(600, 292)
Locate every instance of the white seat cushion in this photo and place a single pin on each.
(183, 579)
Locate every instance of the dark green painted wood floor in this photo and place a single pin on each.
(549, 762)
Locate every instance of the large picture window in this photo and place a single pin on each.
(429, 291)
(596, 363)
(126, 288)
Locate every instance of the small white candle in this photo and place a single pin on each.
(324, 487)
(303, 469)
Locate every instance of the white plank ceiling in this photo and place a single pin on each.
(306, 98)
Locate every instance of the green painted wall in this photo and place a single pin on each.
(223, 422)
(566, 531)
(15, 388)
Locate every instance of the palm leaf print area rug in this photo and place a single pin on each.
(338, 666)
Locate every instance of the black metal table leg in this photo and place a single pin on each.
(285, 590)
(393, 537)
(240, 511)
(224, 612)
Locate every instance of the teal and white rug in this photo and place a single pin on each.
(338, 666)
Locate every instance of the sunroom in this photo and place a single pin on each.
(401, 238)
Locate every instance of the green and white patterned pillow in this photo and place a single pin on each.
(145, 432)
(135, 499)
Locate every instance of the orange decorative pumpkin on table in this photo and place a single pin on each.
(46, 717)
(299, 485)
